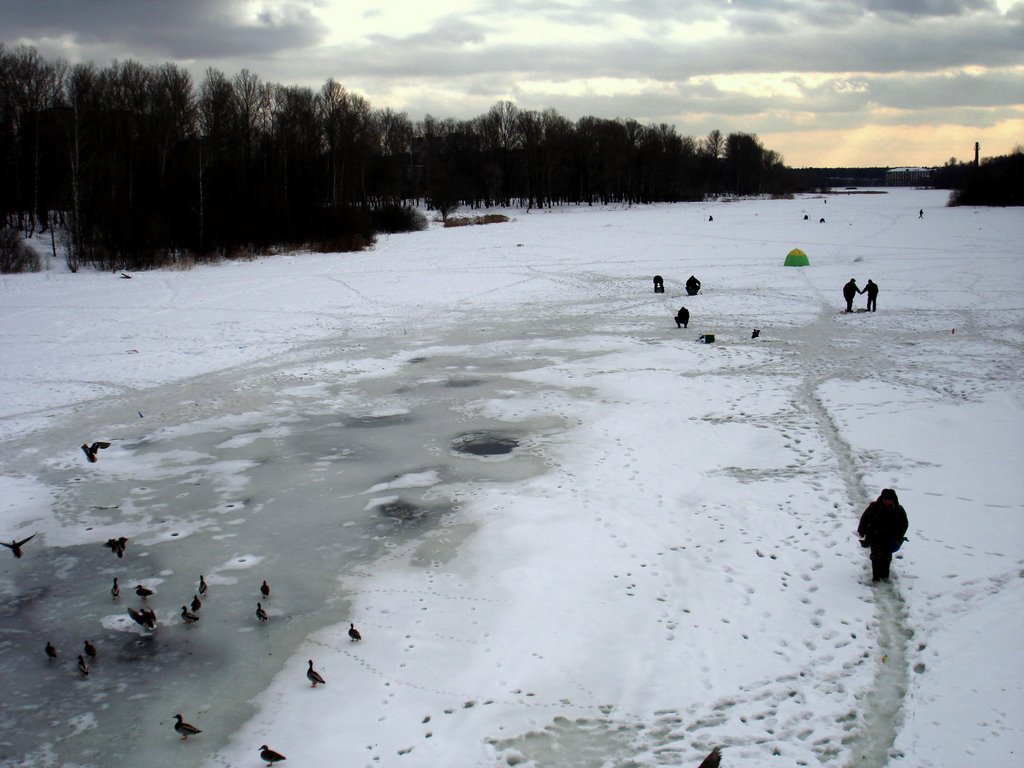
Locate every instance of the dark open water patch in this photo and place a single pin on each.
(406, 511)
(485, 444)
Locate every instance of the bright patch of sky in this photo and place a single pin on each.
(603, 86)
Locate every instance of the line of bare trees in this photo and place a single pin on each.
(137, 165)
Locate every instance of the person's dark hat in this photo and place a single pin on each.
(888, 493)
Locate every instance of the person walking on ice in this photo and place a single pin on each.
(850, 291)
(882, 528)
(871, 289)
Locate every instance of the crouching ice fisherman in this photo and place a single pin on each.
(882, 528)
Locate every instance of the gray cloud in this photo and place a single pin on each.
(878, 47)
(185, 29)
(997, 89)
(765, 35)
(905, 8)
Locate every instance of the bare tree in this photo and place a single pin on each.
(36, 86)
(83, 86)
(744, 160)
(217, 117)
(126, 93)
(714, 145)
(332, 102)
(252, 109)
(557, 156)
(173, 110)
(394, 134)
(217, 107)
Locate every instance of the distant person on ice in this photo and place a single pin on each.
(692, 286)
(659, 284)
(850, 291)
(682, 317)
(871, 289)
(882, 528)
(920, 214)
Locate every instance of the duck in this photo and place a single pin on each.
(185, 729)
(51, 651)
(144, 617)
(142, 591)
(713, 760)
(353, 633)
(196, 603)
(90, 450)
(265, 589)
(90, 649)
(313, 676)
(15, 546)
(82, 666)
(260, 613)
(187, 615)
(202, 585)
(117, 545)
(115, 591)
(266, 753)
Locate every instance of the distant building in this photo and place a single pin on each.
(908, 177)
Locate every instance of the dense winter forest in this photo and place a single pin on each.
(994, 181)
(137, 166)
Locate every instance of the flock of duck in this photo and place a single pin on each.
(146, 617)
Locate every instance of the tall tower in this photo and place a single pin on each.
(977, 149)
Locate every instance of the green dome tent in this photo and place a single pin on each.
(797, 258)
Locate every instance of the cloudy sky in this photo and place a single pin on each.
(824, 82)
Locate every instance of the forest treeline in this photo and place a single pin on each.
(137, 166)
(994, 181)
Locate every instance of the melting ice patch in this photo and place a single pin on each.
(411, 480)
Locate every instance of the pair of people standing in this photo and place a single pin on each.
(850, 291)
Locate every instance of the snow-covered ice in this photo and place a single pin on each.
(570, 534)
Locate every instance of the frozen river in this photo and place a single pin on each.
(571, 535)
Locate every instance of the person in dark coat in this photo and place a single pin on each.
(692, 286)
(682, 317)
(659, 284)
(882, 528)
(871, 289)
(850, 291)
